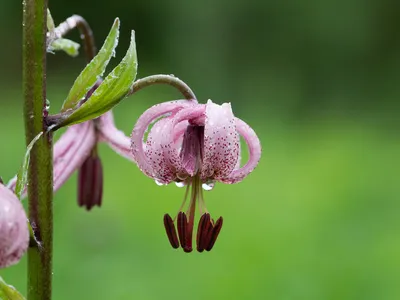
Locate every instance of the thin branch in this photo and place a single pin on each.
(171, 80)
(86, 32)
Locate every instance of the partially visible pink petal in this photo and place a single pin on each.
(115, 138)
(254, 147)
(221, 142)
(191, 153)
(14, 232)
(137, 144)
(73, 154)
(69, 153)
(237, 166)
(172, 154)
(154, 152)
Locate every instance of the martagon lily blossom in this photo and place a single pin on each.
(194, 145)
(76, 150)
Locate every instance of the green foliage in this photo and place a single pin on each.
(111, 91)
(22, 177)
(93, 70)
(8, 292)
(66, 45)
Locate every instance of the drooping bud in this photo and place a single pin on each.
(90, 182)
(14, 233)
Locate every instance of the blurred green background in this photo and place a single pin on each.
(319, 81)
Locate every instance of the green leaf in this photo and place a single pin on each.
(94, 69)
(50, 23)
(8, 292)
(22, 176)
(66, 45)
(112, 90)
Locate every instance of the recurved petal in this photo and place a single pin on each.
(14, 232)
(114, 137)
(155, 153)
(71, 156)
(171, 153)
(254, 148)
(221, 142)
(137, 144)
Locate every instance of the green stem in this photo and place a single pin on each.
(86, 32)
(182, 87)
(163, 79)
(40, 177)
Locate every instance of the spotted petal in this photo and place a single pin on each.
(221, 142)
(254, 147)
(137, 145)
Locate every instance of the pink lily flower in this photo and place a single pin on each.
(14, 232)
(194, 145)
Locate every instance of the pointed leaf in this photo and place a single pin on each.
(66, 45)
(22, 176)
(8, 292)
(111, 91)
(50, 23)
(94, 69)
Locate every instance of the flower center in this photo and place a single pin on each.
(192, 149)
(192, 157)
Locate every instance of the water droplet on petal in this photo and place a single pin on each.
(208, 186)
(158, 183)
(180, 184)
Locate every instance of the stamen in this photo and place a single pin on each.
(214, 234)
(202, 232)
(171, 232)
(182, 228)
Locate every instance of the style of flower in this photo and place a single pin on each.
(14, 232)
(194, 145)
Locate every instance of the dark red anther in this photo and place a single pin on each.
(202, 232)
(171, 232)
(182, 228)
(214, 234)
(90, 182)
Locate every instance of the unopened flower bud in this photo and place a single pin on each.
(14, 233)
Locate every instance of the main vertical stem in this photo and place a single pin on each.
(40, 177)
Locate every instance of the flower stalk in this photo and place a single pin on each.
(40, 177)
